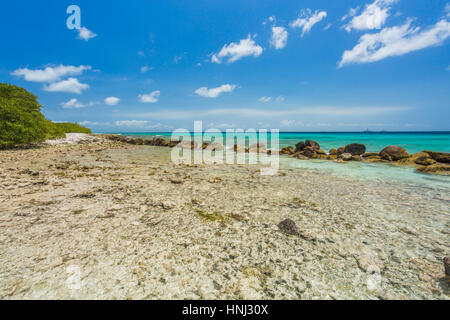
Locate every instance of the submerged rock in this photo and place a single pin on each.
(288, 226)
(435, 169)
(394, 153)
(356, 149)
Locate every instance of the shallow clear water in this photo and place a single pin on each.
(360, 171)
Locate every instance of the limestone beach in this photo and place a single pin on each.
(107, 219)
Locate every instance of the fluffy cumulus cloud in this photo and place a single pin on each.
(74, 103)
(396, 41)
(71, 85)
(373, 17)
(85, 34)
(150, 98)
(214, 92)
(236, 51)
(50, 74)
(279, 37)
(112, 101)
(308, 19)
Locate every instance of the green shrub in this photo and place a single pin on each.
(21, 120)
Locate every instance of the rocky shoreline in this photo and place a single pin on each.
(104, 219)
(431, 162)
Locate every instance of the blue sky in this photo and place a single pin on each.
(293, 65)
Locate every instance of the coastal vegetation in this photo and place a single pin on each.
(21, 120)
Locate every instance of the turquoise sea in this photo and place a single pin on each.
(374, 141)
(403, 176)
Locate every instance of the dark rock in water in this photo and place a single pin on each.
(159, 142)
(174, 143)
(300, 146)
(425, 161)
(313, 144)
(394, 153)
(333, 152)
(288, 226)
(447, 266)
(439, 156)
(346, 156)
(309, 152)
(340, 151)
(287, 150)
(356, 149)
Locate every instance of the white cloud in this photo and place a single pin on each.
(150, 98)
(265, 99)
(131, 123)
(74, 103)
(71, 85)
(213, 125)
(373, 17)
(93, 123)
(49, 74)
(236, 51)
(141, 124)
(85, 34)
(287, 123)
(279, 99)
(351, 13)
(308, 19)
(215, 92)
(145, 69)
(279, 37)
(395, 41)
(269, 99)
(322, 111)
(112, 101)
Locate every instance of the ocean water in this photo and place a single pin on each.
(412, 141)
(402, 176)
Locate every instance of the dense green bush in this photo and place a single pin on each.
(21, 120)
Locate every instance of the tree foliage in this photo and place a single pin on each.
(21, 120)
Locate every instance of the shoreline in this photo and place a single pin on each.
(429, 162)
(133, 225)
